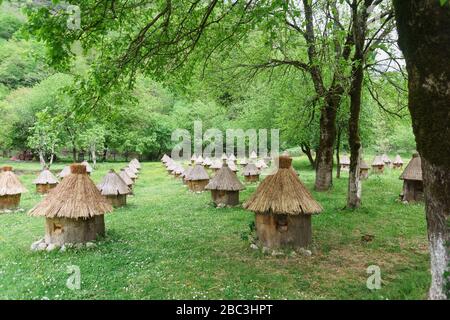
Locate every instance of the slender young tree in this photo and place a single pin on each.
(424, 37)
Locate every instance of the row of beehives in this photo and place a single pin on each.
(282, 204)
(378, 164)
(73, 207)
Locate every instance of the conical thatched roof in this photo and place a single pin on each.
(260, 164)
(125, 177)
(216, 164)
(88, 166)
(232, 165)
(224, 156)
(243, 161)
(10, 183)
(378, 161)
(385, 158)
(250, 170)
(64, 172)
(199, 159)
(413, 170)
(398, 160)
(178, 169)
(130, 173)
(207, 161)
(186, 172)
(197, 173)
(231, 157)
(194, 157)
(76, 197)
(133, 169)
(253, 155)
(345, 160)
(363, 165)
(45, 177)
(164, 158)
(226, 180)
(113, 185)
(283, 193)
(136, 163)
(169, 162)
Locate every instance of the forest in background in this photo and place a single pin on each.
(38, 110)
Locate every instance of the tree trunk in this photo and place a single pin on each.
(74, 154)
(324, 158)
(306, 149)
(338, 160)
(42, 159)
(424, 37)
(354, 140)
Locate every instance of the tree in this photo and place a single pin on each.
(424, 37)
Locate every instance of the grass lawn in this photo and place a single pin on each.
(171, 244)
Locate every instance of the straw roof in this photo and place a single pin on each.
(413, 170)
(398, 160)
(88, 166)
(260, 164)
(133, 169)
(226, 180)
(207, 161)
(187, 171)
(250, 170)
(178, 169)
(45, 177)
(112, 185)
(253, 155)
(243, 161)
(194, 157)
(75, 197)
(197, 173)
(232, 165)
(231, 157)
(169, 162)
(164, 158)
(216, 164)
(363, 165)
(130, 173)
(224, 156)
(136, 163)
(385, 158)
(125, 177)
(345, 160)
(199, 159)
(10, 183)
(378, 161)
(64, 172)
(283, 193)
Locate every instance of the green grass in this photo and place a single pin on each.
(171, 244)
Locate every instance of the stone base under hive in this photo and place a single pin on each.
(228, 198)
(377, 169)
(9, 202)
(254, 178)
(197, 185)
(64, 230)
(284, 231)
(44, 188)
(412, 191)
(118, 200)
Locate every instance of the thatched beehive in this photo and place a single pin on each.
(136, 163)
(398, 162)
(386, 160)
(164, 158)
(225, 187)
(45, 181)
(232, 165)
(134, 169)
(186, 173)
(216, 165)
(345, 163)
(231, 157)
(199, 159)
(283, 208)
(11, 189)
(243, 162)
(114, 189)
(207, 162)
(363, 170)
(412, 180)
(260, 164)
(193, 158)
(178, 171)
(251, 173)
(64, 172)
(253, 155)
(198, 178)
(378, 165)
(74, 210)
(131, 174)
(89, 169)
(126, 178)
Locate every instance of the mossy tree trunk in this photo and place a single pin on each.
(424, 37)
